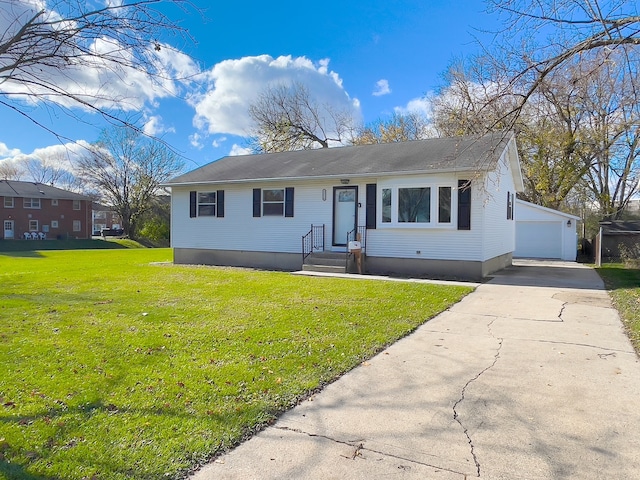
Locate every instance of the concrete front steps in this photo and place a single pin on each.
(328, 262)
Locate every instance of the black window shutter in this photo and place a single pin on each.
(257, 193)
(464, 205)
(513, 205)
(220, 203)
(508, 205)
(193, 196)
(288, 202)
(371, 206)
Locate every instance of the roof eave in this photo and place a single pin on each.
(324, 177)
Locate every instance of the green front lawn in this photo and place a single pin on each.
(624, 286)
(115, 366)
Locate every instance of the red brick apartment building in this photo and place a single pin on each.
(31, 210)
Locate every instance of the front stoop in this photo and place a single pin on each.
(328, 262)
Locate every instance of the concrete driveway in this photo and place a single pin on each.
(529, 377)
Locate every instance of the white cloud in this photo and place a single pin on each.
(196, 141)
(382, 88)
(8, 152)
(61, 156)
(421, 105)
(218, 142)
(154, 126)
(238, 150)
(234, 84)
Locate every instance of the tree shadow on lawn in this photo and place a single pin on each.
(30, 248)
(26, 254)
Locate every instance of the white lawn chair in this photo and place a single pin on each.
(34, 235)
(42, 235)
(26, 235)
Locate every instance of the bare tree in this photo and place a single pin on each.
(541, 36)
(400, 127)
(126, 169)
(10, 170)
(288, 118)
(45, 47)
(51, 170)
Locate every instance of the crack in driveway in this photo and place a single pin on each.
(359, 446)
(456, 416)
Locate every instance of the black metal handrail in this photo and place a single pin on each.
(352, 236)
(312, 240)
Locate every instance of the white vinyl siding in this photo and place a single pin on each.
(491, 234)
(499, 232)
(434, 242)
(239, 230)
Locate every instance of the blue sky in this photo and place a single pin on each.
(372, 57)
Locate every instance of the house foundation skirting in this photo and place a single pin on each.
(418, 267)
(238, 258)
(414, 267)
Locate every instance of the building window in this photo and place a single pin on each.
(101, 214)
(33, 225)
(76, 204)
(414, 205)
(206, 204)
(9, 202)
(31, 203)
(77, 226)
(444, 204)
(54, 202)
(54, 223)
(386, 205)
(418, 206)
(273, 202)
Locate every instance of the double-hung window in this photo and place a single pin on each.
(273, 202)
(8, 202)
(206, 204)
(31, 203)
(76, 204)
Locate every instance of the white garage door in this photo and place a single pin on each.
(538, 240)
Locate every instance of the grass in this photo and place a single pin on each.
(118, 367)
(624, 286)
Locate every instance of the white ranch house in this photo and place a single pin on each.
(437, 207)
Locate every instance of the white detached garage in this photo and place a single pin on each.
(544, 233)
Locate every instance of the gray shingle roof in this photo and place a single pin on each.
(469, 153)
(14, 188)
(620, 227)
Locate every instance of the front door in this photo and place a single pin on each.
(8, 229)
(345, 209)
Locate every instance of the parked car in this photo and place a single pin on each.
(112, 232)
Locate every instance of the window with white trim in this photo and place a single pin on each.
(417, 205)
(33, 225)
(273, 202)
(54, 202)
(206, 204)
(444, 205)
(31, 202)
(9, 202)
(54, 223)
(76, 204)
(77, 225)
